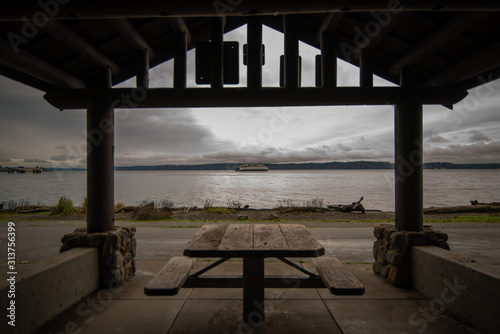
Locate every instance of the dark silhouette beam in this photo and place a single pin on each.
(36, 67)
(60, 31)
(98, 9)
(131, 35)
(446, 32)
(244, 97)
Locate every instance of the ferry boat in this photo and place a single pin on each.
(251, 168)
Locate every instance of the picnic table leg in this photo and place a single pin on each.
(253, 290)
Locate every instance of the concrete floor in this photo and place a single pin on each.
(383, 309)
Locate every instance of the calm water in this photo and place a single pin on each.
(257, 189)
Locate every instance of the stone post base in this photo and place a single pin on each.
(392, 251)
(117, 249)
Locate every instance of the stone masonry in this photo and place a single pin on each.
(392, 251)
(117, 249)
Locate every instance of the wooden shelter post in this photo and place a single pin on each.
(409, 182)
(100, 162)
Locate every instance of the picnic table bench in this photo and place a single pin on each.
(253, 243)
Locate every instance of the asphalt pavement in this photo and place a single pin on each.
(349, 242)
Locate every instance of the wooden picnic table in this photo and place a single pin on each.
(253, 243)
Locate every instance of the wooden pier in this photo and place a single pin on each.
(22, 170)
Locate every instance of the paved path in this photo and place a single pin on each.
(350, 243)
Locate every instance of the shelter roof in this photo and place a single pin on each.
(58, 44)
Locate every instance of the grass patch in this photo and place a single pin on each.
(466, 219)
(146, 211)
(219, 210)
(64, 207)
(15, 206)
(359, 221)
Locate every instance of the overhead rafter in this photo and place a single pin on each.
(450, 29)
(481, 62)
(26, 79)
(36, 67)
(132, 35)
(60, 31)
(329, 24)
(98, 9)
(387, 28)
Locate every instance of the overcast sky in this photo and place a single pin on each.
(34, 133)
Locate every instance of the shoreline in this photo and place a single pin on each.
(472, 214)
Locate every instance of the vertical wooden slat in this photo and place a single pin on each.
(254, 37)
(142, 78)
(217, 54)
(291, 51)
(365, 69)
(328, 61)
(180, 60)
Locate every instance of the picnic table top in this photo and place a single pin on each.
(254, 240)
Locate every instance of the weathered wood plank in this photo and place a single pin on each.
(207, 238)
(238, 241)
(298, 238)
(170, 279)
(237, 237)
(336, 277)
(268, 236)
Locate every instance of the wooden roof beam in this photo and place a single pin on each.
(388, 22)
(132, 35)
(37, 68)
(483, 61)
(264, 97)
(446, 32)
(98, 9)
(60, 31)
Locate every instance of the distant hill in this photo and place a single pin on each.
(312, 165)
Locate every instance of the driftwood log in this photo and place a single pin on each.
(355, 206)
(475, 202)
(34, 209)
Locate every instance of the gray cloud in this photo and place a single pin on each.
(321, 153)
(38, 161)
(33, 131)
(478, 137)
(438, 139)
(462, 153)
